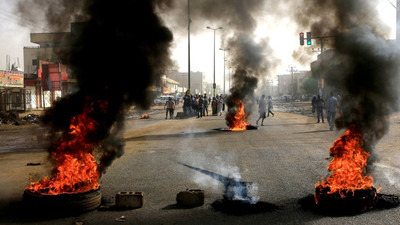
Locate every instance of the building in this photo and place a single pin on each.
(169, 86)
(197, 81)
(12, 92)
(292, 84)
(46, 79)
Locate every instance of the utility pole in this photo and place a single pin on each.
(214, 29)
(292, 69)
(189, 21)
(224, 50)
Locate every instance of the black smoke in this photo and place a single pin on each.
(364, 64)
(117, 52)
(251, 59)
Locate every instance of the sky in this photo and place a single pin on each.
(283, 36)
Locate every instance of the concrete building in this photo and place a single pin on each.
(197, 81)
(44, 58)
(292, 84)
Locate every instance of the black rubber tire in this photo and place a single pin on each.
(72, 203)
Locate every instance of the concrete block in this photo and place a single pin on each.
(190, 198)
(180, 115)
(129, 199)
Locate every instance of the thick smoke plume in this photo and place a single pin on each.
(251, 58)
(363, 67)
(116, 53)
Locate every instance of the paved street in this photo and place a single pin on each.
(284, 159)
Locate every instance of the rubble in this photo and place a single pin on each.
(13, 118)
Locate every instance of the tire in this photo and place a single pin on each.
(71, 203)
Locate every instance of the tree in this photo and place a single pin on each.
(310, 86)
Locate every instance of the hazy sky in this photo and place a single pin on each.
(283, 35)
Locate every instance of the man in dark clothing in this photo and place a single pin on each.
(320, 106)
(200, 107)
(205, 106)
(314, 103)
(187, 104)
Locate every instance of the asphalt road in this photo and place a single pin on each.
(283, 159)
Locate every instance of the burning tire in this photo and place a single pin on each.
(64, 203)
(353, 202)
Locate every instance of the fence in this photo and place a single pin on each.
(13, 99)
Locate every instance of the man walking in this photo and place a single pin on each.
(270, 106)
(331, 106)
(262, 105)
(320, 105)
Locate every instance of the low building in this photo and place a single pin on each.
(292, 84)
(12, 92)
(197, 81)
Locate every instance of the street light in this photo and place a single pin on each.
(214, 29)
(189, 21)
(224, 50)
(292, 69)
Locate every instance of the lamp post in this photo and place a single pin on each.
(292, 69)
(189, 21)
(214, 29)
(224, 50)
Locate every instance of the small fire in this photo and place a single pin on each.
(236, 119)
(348, 165)
(75, 169)
(145, 116)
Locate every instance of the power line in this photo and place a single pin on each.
(392, 4)
(10, 17)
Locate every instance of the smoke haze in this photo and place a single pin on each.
(111, 36)
(363, 66)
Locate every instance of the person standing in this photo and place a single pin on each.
(205, 106)
(262, 105)
(214, 106)
(320, 106)
(331, 106)
(170, 105)
(186, 104)
(220, 101)
(270, 106)
(200, 107)
(314, 103)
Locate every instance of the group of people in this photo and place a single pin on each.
(264, 106)
(331, 105)
(198, 105)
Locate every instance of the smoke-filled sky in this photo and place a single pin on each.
(279, 28)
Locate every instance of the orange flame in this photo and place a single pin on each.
(145, 116)
(75, 169)
(236, 120)
(348, 165)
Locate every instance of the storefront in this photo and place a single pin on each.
(12, 91)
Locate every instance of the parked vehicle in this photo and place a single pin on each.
(163, 99)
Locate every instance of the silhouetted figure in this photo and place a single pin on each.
(331, 106)
(262, 106)
(320, 106)
(270, 106)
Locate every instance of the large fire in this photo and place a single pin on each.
(236, 120)
(348, 165)
(75, 169)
